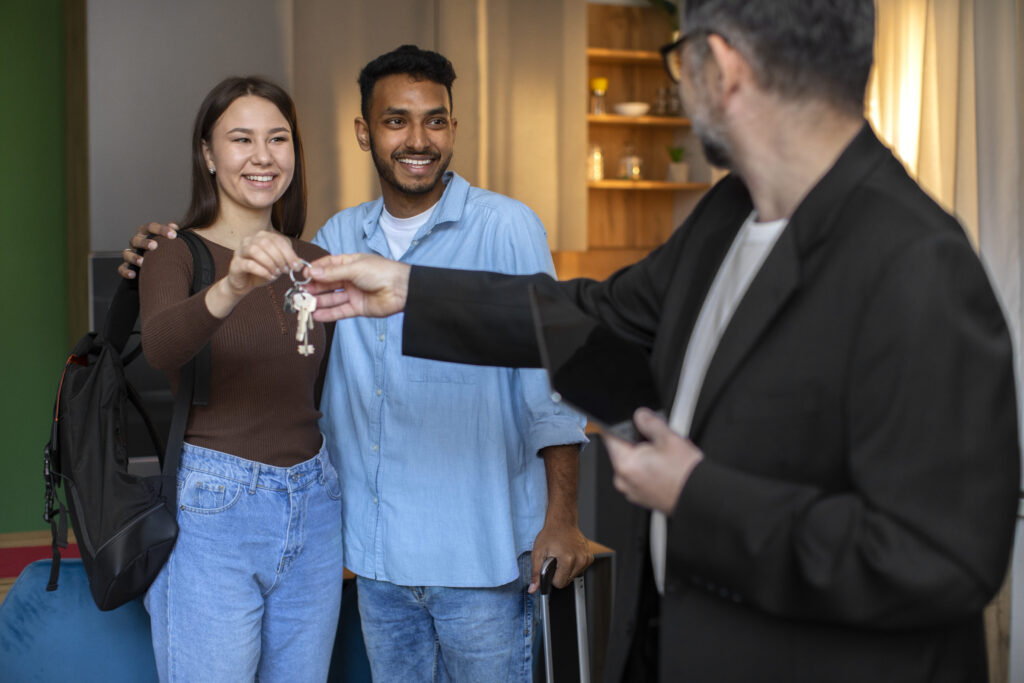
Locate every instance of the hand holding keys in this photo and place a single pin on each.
(297, 300)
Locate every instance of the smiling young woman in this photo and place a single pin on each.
(252, 589)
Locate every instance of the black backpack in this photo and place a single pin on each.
(125, 524)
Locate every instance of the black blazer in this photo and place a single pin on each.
(855, 510)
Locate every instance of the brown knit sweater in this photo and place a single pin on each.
(262, 392)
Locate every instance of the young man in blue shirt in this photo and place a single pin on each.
(444, 495)
(443, 489)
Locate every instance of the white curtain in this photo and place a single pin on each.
(947, 94)
(921, 97)
(999, 77)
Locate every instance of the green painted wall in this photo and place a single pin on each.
(33, 342)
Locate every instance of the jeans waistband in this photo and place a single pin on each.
(255, 475)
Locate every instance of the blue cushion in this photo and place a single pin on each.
(62, 635)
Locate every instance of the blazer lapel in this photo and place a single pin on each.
(697, 269)
(771, 288)
(779, 277)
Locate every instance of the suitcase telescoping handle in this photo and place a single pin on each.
(582, 639)
(547, 575)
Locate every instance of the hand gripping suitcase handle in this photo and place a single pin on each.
(547, 575)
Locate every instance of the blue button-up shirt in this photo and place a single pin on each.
(441, 481)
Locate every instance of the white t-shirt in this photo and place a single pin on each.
(400, 231)
(746, 255)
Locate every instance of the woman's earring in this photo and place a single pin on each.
(212, 171)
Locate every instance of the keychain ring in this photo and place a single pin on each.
(291, 274)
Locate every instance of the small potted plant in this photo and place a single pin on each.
(678, 170)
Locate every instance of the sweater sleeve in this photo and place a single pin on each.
(175, 326)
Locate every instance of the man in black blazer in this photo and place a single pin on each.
(840, 468)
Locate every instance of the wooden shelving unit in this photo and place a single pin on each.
(628, 218)
(618, 56)
(646, 120)
(614, 184)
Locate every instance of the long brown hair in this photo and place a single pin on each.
(289, 212)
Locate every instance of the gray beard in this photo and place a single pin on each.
(715, 152)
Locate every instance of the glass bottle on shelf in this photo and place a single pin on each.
(675, 107)
(595, 163)
(598, 88)
(631, 166)
(661, 103)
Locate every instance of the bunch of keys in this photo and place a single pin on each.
(298, 300)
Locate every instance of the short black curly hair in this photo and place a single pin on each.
(407, 59)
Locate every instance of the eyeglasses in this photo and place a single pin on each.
(672, 54)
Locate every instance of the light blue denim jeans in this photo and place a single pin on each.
(252, 589)
(423, 634)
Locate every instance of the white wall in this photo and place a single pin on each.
(150, 63)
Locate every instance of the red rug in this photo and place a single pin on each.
(13, 560)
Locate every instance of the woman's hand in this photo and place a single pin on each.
(259, 260)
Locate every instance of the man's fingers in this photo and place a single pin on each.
(340, 312)
(315, 287)
(651, 425)
(588, 559)
(332, 268)
(164, 229)
(535, 562)
(142, 241)
(124, 271)
(564, 571)
(331, 299)
(131, 257)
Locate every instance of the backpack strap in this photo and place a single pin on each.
(54, 512)
(202, 277)
(122, 314)
(194, 379)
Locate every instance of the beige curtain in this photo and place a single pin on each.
(947, 94)
(921, 95)
(517, 97)
(999, 78)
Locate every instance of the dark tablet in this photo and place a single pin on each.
(590, 367)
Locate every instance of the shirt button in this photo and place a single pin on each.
(375, 447)
(381, 337)
(375, 500)
(379, 392)
(415, 242)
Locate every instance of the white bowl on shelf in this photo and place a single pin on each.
(632, 108)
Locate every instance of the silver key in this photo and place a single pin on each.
(304, 304)
(288, 308)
